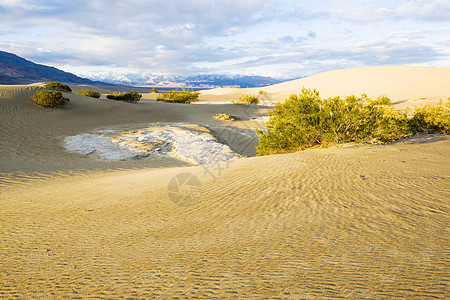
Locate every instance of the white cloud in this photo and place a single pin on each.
(12, 3)
(372, 11)
(227, 36)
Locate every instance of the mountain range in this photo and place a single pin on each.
(17, 70)
(198, 81)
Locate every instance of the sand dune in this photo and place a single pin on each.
(78, 88)
(6, 90)
(357, 222)
(32, 138)
(404, 85)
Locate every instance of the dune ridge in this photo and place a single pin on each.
(403, 85)
(13, 89)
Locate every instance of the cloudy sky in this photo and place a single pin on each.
(281, 38)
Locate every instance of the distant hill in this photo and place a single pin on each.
(17, 70)
(198, 81)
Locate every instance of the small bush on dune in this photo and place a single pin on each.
(89, 93)
(179, 96)
(249, 99)
(58, 86)
(225, 117)
(131, 96)
(49, 99)
(306, 120)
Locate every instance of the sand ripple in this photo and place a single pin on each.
(359, 222)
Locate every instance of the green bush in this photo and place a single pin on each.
(381, 100)
(58, 86)
(154, 90)
(249, 99)
(306, 120)
(89, 93)
(225, 117)
(179, 96)
(131, 96)
(49, 99)
(434, 119)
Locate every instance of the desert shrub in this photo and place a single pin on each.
(434, 119)
(249, 99)
(58, 86)
(306, 120)
(179, 96)
(89, 93)
(225, 117)
(131, 96)
(154, 90)
(381, 100)
(261, 92)
(49, 99)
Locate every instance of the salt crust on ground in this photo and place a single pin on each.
(188, 142)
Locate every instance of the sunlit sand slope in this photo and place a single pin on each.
(360, 222)
(402, 84)
(32, 137)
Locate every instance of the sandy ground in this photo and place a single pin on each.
(32, 138)
(405, 86)
(359, 222)
(352, 222)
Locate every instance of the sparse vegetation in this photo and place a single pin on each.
(49, 99)
(225, 117)
(179, 96)
(306, 120)
(131, 96)
(154, 90)
(248, 99)
(381, 100)
(433, 119)
(89, 93)
(58, 86)
(261, 92)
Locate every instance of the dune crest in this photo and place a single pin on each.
(403, 85)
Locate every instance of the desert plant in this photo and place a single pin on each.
(261, 92)
(434, 119)
(154, 90)
(306, 120)
(225, 117)
(49, 99)
(179, 96)
(58, 86)
(131, 96)
(249, 99)
(89, 93)
(381, 100)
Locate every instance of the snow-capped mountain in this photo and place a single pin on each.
(199, 81)
(17, 70)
